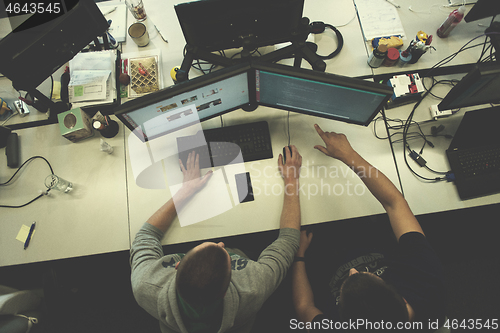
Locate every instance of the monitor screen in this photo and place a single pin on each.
(320, 94)
(167, 110)
(479, 86)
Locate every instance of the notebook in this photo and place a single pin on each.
(474, 153)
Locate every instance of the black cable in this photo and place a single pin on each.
(393, 153)
(288, 125)
(15, 173)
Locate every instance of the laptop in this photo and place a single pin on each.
(474, 153)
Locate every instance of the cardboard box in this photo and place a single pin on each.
(75, 125)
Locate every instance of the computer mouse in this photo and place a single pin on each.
(284, 153)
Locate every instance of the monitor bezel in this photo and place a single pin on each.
(328, 78)
(469, 79)
(180, 88)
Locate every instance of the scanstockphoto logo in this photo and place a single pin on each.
(315, 180)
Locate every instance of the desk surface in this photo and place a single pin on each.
(330, 191)
(107, 207)
(423, 196)
(90, 219)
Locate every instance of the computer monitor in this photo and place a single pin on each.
(479, 86)
(300, 90)
(224, 24)
(36, 49)
(163, 112)
(320, 94)
(483, 9)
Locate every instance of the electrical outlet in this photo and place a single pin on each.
(436, 113)
(21, 107)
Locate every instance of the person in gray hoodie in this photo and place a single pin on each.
(209, 289)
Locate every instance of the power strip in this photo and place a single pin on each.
(436, 113)
(21, 107)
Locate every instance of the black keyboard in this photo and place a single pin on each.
(228, 145)
(480, 161)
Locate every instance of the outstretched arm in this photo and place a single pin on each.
(401, 218)
(192, 183)
(290, 171)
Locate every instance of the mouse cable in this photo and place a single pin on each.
(15, 173)
(288, 127)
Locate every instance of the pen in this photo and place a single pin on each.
(30, 233)
(393, 3)
(109, 11)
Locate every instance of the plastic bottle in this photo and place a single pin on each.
(449, 24)
(377, 57)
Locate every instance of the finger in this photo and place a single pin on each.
(182, 166)
(320, 131)
(188, 161)
(321, 149)
(197, 161)
(280, 161)
(207, 176)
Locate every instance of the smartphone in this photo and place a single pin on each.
(244, 187)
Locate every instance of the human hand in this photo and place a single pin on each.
(193, 181)
(290, 171)
(337, 145)
(305, 241)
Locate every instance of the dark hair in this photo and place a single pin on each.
(203, 276)
(366, 296)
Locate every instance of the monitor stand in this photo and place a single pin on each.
(299, 49)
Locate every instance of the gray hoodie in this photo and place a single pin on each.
(252, 282)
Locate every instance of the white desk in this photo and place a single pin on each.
(430, 197)
(90, 219)
(330, 190)
(338, 13)
(427, 16)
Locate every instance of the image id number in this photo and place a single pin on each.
(33, 8)
(471, 324)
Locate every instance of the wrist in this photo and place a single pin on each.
(291, 185)
(299, 259)
(183, 194)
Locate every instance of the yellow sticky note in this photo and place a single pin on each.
(23, 233)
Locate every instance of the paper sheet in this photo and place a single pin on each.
(378, 18)
(118, 17)
(22, 235)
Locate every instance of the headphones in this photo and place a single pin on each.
(319, 27)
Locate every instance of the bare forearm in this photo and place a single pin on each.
(302, 294)
(290, 214)
(400, 216)
(378, 184)
(163, 217)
